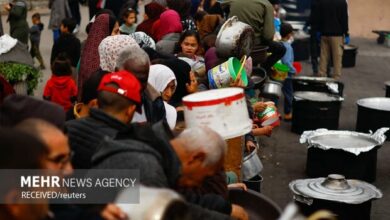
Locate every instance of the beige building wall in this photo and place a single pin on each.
(368, 15)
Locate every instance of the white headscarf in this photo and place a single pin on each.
(159, 77)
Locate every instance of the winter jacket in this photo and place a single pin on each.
(59, 9)
(153, 105)
(69, 44)
(17, 20)
(259, 14)
(86, 134)
(61, 90)
(148, 149)
(330, 17)
(35, 34)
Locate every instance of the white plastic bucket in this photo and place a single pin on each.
(223, 110)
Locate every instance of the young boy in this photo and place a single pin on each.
(35, 38)
(67, 43)
(286, 32)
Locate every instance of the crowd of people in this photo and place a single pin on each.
(113, 101)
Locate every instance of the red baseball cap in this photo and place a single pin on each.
(129, 86)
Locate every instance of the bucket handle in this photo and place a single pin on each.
(243, 61)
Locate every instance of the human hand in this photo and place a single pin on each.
(250, 146)
(267, 130)
(347, 40)
(7, 7)
(239, 213)
(318, 36)
(259, 106)
(113, 212)
(192, 87)
(238, 185)
(237, 83)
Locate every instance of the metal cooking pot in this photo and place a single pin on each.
(348, 199)
(387, 89)
(251, 165)
(272, 90)
(235, 39)
(156, 204)
(259, 77)
(258, 206)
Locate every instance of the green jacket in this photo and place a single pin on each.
(17, 19)
(259, 14)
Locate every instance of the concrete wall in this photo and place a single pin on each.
(368, 15)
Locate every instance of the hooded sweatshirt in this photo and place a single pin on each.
(61, 90)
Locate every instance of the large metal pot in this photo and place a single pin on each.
(272, 90)
(235, 39)
(317, 84)
(258, 206)
(349, 153)
(387, 88)
(251, 165)
(348, 199)
(373, 113)
(156, 204)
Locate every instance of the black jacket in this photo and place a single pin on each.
(153, 105)
(68, 44)
(147, 149)
(86, 134)
(330, 17)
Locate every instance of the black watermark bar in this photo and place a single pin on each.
(79, 187)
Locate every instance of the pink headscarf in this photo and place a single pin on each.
(168, 23)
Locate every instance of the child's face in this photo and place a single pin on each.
(189, 45)
(35, 20)
(130, 19)
(64, 29)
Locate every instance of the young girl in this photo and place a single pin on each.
(130, 19)
(189, 50)
(61, 87)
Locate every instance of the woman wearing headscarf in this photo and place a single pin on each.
(103, 26)
(110, 48)
(166, 31)
(153, 11)
(164, 81)
(183, 7)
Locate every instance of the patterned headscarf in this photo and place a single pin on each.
(110, 48)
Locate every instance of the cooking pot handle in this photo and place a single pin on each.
(303, 199)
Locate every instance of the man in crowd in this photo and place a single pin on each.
(330, 21)
(259, 14)
(119, 94)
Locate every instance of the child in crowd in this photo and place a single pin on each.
(189, 50)
(35, 38)
(129, 17)
(67, 43)
(286, 32)
(61, 88)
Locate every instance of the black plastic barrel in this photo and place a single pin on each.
(311, 115)
(254, 183)
(373, 113)
(343, 211)
(321, 163)
(301, 48)
(349, 56)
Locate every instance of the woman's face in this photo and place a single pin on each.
(115, 30)
(189, 45)
(168, 91)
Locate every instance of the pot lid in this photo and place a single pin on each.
(349, 141)
(312, 78)
(378, 103)
(349, 47)
(316, 96)
(336, 188)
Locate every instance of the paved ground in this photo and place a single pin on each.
(283, 157)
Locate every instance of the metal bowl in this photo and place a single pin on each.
(272, 90)
(257, 205)
(251, 166)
